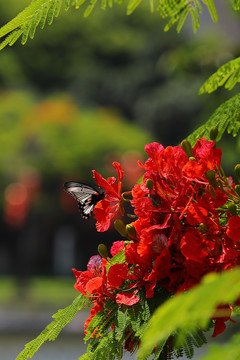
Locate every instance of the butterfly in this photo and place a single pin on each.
(86, 196)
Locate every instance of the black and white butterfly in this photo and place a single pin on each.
(86, 196)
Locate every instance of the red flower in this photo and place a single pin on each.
(107, 208)
(207, 154)
(116, 247)
(233, 228)
(91, 282)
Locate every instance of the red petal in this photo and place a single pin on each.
(117, 274)
(101, 212)
(191, 246)
(94, 285)
(119, 170)
(127, 299)
(104, 184)
(154, 150)
(219, 328)
(233, 230)
(117, 246)
(196, 214)
(193, 170)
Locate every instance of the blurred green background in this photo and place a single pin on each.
(84, 93)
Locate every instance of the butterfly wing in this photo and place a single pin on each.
(86, 196)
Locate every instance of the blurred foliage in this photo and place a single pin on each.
(41, 292)
(122, 61)
(59, 139)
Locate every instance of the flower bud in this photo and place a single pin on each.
(237, 189)
(102, 249)
(120, 227)
(232, 208)
(149, 184)
(131, 230)
(210, 175)
(185, 144)
(237, 171)
(212, 191)
(213, 133)
(192, 158)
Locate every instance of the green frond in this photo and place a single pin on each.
(195, 19)
(159, 351)
(67, 4)
(40, 12)
(191, 310)
(198, 338)
(51, 332)
(87, 356)
(227, 116)
(121, 321)
(102, 321)
(212, 9)
(236, 4)
(132, 5)
(178, 10)
(54, 10)
(26, 22)
(104, 4)
(186, 341)
(188, 348)
(229, 73)
(90, 8)
(119, 258)
(107, 348)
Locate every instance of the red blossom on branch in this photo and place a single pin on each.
(183, 229)
(107, 208)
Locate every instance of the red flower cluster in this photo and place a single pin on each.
(184, 228)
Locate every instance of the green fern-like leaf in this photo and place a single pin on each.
(178, 10)
(191, 310)
(227, 116)
(26, 22)
(132, 5)
(90, 8)
(87, 356)
(107, 348)
(228, 74)
(40, 12)
(212, 10)
(50, 333)
(121, 321)
(188, 347)
(198, 338)
(102, 321)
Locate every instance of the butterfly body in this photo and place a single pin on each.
(86, 196)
